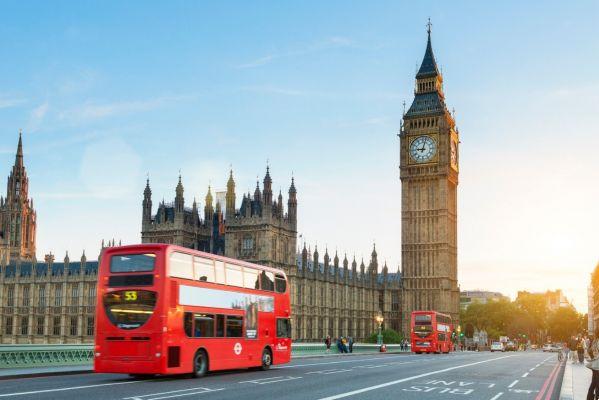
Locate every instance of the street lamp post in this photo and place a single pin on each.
(379, 338)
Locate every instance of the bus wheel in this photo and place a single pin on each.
(200, 364)
(266, 359)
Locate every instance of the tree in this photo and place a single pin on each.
(534, 305)
(563, 323)
(390, 336)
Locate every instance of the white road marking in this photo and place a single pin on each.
(172, 393)
(68, 388)
(272, 379)
(513, 384)
(498, 395)
(328, 371)
(525, 375)
(335, 362)
(532, 369)
(410, 378)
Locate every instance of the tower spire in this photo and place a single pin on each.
(19, 156)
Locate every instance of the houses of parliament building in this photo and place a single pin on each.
(330, 295)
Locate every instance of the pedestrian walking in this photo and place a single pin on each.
(351, 344)
(327, 342)
(339, 345)
(344, 344)
(580, 350)
(592, 354)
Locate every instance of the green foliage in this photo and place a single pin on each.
(525, 318)
(389, 337)
(563, 323)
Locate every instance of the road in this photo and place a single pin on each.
(476, 376)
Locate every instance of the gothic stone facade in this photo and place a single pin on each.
(40, 302)
(429, 178)
(326, 298)
(17, 216)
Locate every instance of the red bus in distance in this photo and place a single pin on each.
(431, 332)
(165, 309)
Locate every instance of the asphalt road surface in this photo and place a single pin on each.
(468, 376)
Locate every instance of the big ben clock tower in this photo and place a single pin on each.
(429, 165)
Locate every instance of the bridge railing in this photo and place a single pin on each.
(34, 355)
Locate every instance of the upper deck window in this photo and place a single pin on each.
(132, 262)
(181, 265)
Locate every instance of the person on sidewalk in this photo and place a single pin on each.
(580, 350)
(327, 342)
(592, 353)
(351, 344)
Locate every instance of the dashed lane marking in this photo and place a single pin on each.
(272, 379)
(410, 378)
(513, 384)
(525, 375)
(173, 393)
(498, 395)
(335, 362)
(68, 388)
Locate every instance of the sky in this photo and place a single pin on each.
(109, 92)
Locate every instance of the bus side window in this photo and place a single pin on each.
(204, 269)
(250, 278)
(280, 283)
(267, 281)
(234, 275)
(283, 328)
(188, 323)
(234, 326)
(219, 269)
(204, 325)
(181, 265)
(220, 325)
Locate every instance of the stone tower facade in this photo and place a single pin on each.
(429, 178)
(17, 216)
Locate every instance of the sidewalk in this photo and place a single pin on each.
(13, 373)
(575, 384)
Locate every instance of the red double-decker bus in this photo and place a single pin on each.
(431, 332)
(165, 309)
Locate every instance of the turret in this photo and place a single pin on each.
(281, 211)
(345, 269)
(336, 266)
(179, 201)
(267, 188)
(374, 265)
(292, 204)
(326, 269)
(230, 197)
(194, 213)
(147, 206)
(83, 258)
(304, 259)
(208, 209)
(315, 261)
(354, 271)
(362, 268)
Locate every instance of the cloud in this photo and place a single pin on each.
(327, 43)
(37, 116)
(94, 111)
(6, 102)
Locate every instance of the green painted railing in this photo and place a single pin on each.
(50, 355)
(34, 355)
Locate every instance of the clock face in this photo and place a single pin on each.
(454, 153)
(423, 148)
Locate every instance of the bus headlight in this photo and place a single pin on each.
(158, 355)
(98, 354)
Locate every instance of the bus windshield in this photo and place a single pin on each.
(129, 309)
(132, 262)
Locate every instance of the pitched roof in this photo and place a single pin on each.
(428, 68)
